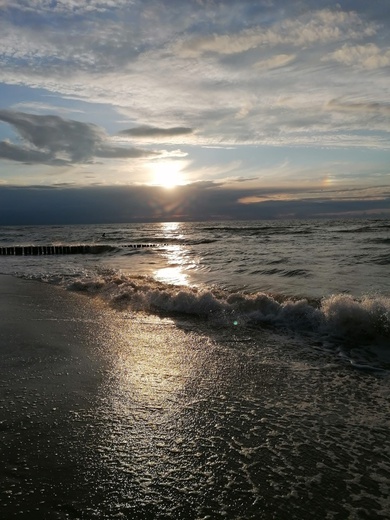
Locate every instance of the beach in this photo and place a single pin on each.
(50, 374)
(194, 260)
(116, 414)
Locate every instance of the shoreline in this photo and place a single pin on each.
(108, 414)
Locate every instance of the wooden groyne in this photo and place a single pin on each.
(78, 249)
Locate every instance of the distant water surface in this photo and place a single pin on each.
(296, 258)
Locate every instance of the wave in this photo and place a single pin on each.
(381, 259)
(339, 318)
(157, 239)
(260, 230)
(283, 272)
(202, 241)
(364, 229)
(238, 229)
(380, 240)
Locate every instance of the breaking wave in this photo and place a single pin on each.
(341, 317)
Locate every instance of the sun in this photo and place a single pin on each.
(167, 174)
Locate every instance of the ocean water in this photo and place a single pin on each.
(326, 278)
(234, 370)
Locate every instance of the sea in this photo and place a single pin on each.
(254, 385)
(327, 279)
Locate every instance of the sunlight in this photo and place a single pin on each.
(176, 255)
(172, 276)
(171, 229)
(167, 174)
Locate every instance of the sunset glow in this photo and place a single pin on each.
(202, 109)
(167, 174)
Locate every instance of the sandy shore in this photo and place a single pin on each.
(50, 374)
(106, 414)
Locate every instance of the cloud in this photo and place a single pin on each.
(321, 26)
(241, 179)
(359, 108)
(368, 56)
(55, 135)
(17, 153)
(153, 132)
(280, 60)
(37, 106)
(63, 6)
(221, 68)
(176, 154)
(54, 140)
(116, 152)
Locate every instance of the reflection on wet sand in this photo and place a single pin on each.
(144, 419)
(221, 425)
(146, 372)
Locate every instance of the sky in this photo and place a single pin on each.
(149, 110)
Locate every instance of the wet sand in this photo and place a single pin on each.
(107, 414)
(50, 374)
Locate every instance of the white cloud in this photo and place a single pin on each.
(280, 60)
(239, 88)
(63, 6)
(368, 56)
(321, 26)
(36, 106)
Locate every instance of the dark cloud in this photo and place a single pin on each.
(116, 152)
(204, 185)
(150, 131)
(245, 179)
(18, 153)
(54, 140)
(55, 135)
(196, 202)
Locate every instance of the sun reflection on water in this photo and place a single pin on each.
(176, 255)
(171, 229)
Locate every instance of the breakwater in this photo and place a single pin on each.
(73, 249)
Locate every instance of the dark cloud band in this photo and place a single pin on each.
(150, 131)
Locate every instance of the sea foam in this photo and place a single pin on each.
(339, 316)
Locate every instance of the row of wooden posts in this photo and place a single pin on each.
(66, 250)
